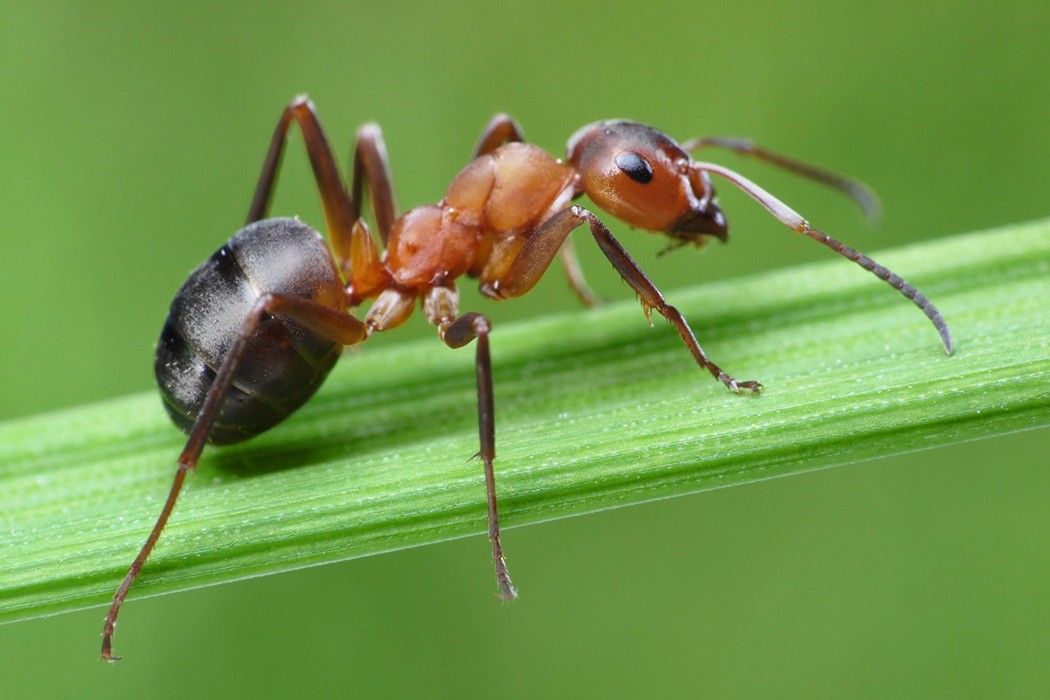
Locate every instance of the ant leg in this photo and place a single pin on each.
(652, 299)
(364, 271)
(793, 220)
(536, 254)
(331, 324)
(574, 275)
(502, 129)
(441, 308)
(371, 164)
(340, 210)
(856, 190)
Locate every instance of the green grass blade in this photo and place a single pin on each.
(594, 410)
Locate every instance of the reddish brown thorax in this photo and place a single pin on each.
(487, 212)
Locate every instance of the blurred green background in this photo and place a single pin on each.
(130, 139)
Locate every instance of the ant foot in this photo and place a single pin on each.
(507, 591)
(748, 387)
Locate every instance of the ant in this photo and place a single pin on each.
(256, 328)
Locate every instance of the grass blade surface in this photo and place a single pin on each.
(594, 410)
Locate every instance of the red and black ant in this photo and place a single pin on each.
(256, 328)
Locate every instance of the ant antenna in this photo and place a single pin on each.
(862, 195)
(793, 220)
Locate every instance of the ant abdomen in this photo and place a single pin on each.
(286, 362)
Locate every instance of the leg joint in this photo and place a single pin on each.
(464, 329)
(301, 101)
(481, 323)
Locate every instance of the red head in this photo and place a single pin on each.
(644, 177)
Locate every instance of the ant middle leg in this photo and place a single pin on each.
(441, 307)
(535, 255)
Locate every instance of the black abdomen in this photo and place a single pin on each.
(283, 364)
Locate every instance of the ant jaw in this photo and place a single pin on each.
(699, 223)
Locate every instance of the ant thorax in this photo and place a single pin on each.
(487, 211)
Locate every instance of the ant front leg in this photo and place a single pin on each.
(331, 324)
(536, 253)
(441, 307)
(370, 164)
(502, 129)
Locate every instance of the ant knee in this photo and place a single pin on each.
(464, 329)
(301, 100)
(370, 131)
(482, 326)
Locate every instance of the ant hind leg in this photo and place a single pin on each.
(370, 165)
(337, 326)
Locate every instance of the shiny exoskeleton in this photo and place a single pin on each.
(257, 327)
(288, 361)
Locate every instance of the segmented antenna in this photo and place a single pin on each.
(889, 277)
(793, 220)
(862, 195)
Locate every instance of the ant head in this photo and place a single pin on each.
(644, 177)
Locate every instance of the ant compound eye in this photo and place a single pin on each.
(635, 167)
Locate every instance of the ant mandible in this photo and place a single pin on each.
(256, 328)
